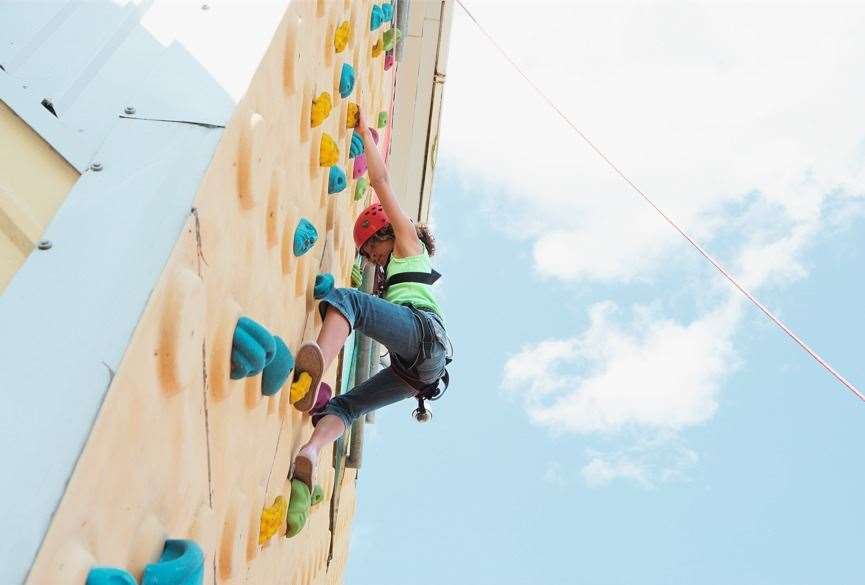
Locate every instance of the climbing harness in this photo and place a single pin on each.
(667, 218)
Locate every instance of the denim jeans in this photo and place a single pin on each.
(396, 327)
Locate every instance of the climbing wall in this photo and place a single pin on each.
(180, 450)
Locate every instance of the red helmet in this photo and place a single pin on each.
(368, 222)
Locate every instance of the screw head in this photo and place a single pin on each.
(129, 110)
(96, 166)
(44, 244)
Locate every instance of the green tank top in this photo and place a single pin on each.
(417, 294)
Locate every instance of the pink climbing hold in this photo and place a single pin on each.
(374, 133)
(359, 166)
(388, 60)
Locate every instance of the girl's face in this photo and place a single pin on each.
(378, 251)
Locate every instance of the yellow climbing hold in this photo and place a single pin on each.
(300, 388)
(340, 37)
(377, 48)
(321, 107)
(352, 115)
(272, 520)
(328, 152)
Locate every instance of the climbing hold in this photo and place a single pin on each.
(317, 495)
(346, 80)
(109, 576)
(356, 146)
(390, 38)
(328, 151)
(181, 563)
(298, 508)
(374, 134)
(387, 11)
(252, 348)
(323, 285)
(351, 115)
(359, 167)
(382, 119)
(276, 372)
(300, 388)
(376, 18)
(388, 60)
(325, 393)
(356, 276)
(340, 37)
(304, 237)
(272, 519)
(321, 107)
(377, 48)
(360, 188)
(336, 180)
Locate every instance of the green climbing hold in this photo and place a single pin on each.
(317, 495)
(305, 236)
(390, 37)
(382, 119)
(356, 276)
(298, 508)
(360, 188)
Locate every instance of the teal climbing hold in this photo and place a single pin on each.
(305, 236)
(336, 180)
(387, 11)
(276, 372)
(323, 285)
(376, 18)
(356, 146)
(346, 80)
(181, 563)
(251, 349)
(109, 576)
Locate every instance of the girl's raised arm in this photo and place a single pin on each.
(407, 242)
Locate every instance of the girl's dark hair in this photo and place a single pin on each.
(423, 233)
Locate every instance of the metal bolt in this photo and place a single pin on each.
(129, 110)
(44, 244)
(96, 166)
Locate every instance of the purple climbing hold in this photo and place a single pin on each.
(359, 166)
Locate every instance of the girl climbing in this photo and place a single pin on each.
(404, 316)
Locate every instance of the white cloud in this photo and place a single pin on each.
(648, 463)
(655, 374)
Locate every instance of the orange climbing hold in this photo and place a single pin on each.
(341, 36)
(328, 152)
(272, 520)
(321, 107)
(352, 116)
(377, 48)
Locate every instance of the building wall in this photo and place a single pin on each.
(34, 181)
(178, 449)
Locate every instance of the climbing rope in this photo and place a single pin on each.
(681, 231)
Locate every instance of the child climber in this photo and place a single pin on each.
(406, 319)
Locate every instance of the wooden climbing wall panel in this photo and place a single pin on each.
(178, 449)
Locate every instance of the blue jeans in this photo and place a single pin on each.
(397, 328)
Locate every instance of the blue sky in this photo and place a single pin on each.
(617, 415)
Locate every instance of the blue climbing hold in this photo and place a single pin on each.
(276, 373)
(304, 237)
(336, 180)
(323, 285)
(251, 349)
(387, 11)
(376, 18)
(109, 576)
(356, 146)
(181, 563)
(346, 80)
